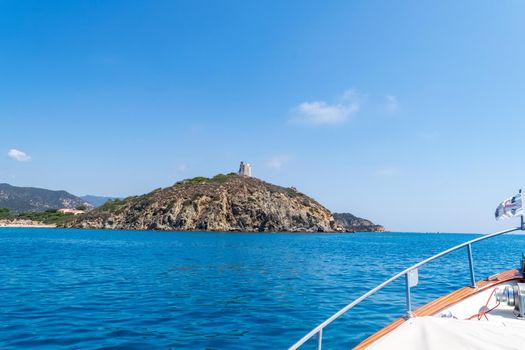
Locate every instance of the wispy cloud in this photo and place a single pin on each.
(18, 155)
(392, 103)
(324, 113)
(278, 162)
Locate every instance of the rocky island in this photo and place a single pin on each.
(356, 224)
(223, 203)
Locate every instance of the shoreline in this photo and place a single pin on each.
(25, 224)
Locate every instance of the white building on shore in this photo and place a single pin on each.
(245, 169)
(70, 211)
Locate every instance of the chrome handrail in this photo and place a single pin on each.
(319, 329)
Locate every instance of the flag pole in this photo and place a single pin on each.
(522, 222)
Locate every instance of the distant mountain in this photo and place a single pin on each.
(96, 201)
(30, 199)
(353, 223)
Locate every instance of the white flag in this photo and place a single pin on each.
(510, 207)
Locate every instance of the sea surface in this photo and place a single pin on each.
(95, 289)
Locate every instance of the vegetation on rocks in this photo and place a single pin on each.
(221, 203)
(50, 216)
(4, 213)
(219, 178)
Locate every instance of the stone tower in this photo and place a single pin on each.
(245, 169)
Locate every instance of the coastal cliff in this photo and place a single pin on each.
(356, 224)
(222, 203)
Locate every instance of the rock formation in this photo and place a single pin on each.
(355, 224)
(222, 203)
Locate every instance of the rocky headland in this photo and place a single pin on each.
(356, 224)
(222, 203)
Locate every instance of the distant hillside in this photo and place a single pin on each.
(356, 224)
(222, 203)
(96, 201)
(30, 199)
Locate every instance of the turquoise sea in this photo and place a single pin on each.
(83, 289)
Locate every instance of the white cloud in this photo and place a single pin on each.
(392, 103)
(182, 168)
(18, 155)
(278, 162)
(321, 112)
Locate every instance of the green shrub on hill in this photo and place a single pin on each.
(193, 181)
(292, 192)
(50, 216)
(112, 204)
(219, 178)
(4, 213)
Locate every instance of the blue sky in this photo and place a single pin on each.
(410, 113)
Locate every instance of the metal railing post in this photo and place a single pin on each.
(320, 340)
(408, 296)
(471, 265)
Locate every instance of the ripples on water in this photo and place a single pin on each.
(138, 290)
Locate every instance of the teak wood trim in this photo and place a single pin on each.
(445, 301)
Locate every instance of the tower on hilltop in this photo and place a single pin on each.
(245, 169)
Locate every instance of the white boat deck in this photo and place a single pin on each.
(461, 326)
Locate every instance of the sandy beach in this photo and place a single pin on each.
(25, 223)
